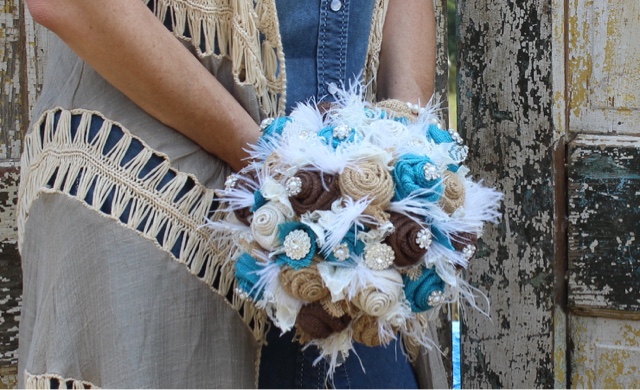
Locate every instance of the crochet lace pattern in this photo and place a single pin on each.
(53, 381)
(247, 32)
(62, 156)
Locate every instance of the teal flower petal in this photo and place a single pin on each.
(247, 276)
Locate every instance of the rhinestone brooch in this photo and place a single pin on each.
(436, 298)
(341, 132)
(294, 186)
(379, 257)
(297, 244)
(230, 182)
(265, 123)
(424, 238)
(243, 295)
(468, 251)
(341, 252)
(431, 171)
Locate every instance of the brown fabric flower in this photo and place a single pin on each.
(454, 193)
(304, 284)
(316, 192)
(315, 322)
(403, 240)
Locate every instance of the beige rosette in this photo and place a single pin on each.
(454, 193)
(305, 284)
(372, 181)
(264, 225)
(380, 299)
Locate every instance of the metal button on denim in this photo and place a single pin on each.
(336, 5)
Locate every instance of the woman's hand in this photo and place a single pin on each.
(128, 46)
(408, 53)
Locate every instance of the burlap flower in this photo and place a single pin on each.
(264, 225)
(316, 323)
(378, 300)
(413, 173)
(369, 180)
(419, 290)
(454, 193)
(406, 240)
(365, 331)
(315, 192)
(305, 284)
(338, 308)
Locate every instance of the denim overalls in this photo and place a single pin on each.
(325, 44)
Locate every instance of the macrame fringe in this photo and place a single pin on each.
(53, 381)
(375, 44)
(233, 29)
(78, 162)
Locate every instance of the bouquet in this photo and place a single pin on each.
(352, 222)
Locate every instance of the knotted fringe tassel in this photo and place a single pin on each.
(373, 53)
(233, 29)
(57, 161)
(53, 381)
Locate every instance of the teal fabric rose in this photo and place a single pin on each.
(418, 291)
(276, 127)
(438, 135)
(412, 172)
(335, 135)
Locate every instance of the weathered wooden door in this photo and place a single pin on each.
(549, 99)
(603, 102)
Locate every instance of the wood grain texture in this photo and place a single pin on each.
(22, 52)
(441, 95)
(606, 352)
(604, 225)
(505, 113)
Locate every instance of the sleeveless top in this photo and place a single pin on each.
(122, 287)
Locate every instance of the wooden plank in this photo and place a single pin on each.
(605, 353)
(22, 57)
(603, 50)
(505, 106)
(604, 225)
(441, 95)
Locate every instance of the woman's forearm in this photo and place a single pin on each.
(128, 46)
(408, 53)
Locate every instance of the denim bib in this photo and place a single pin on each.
(325, 44)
